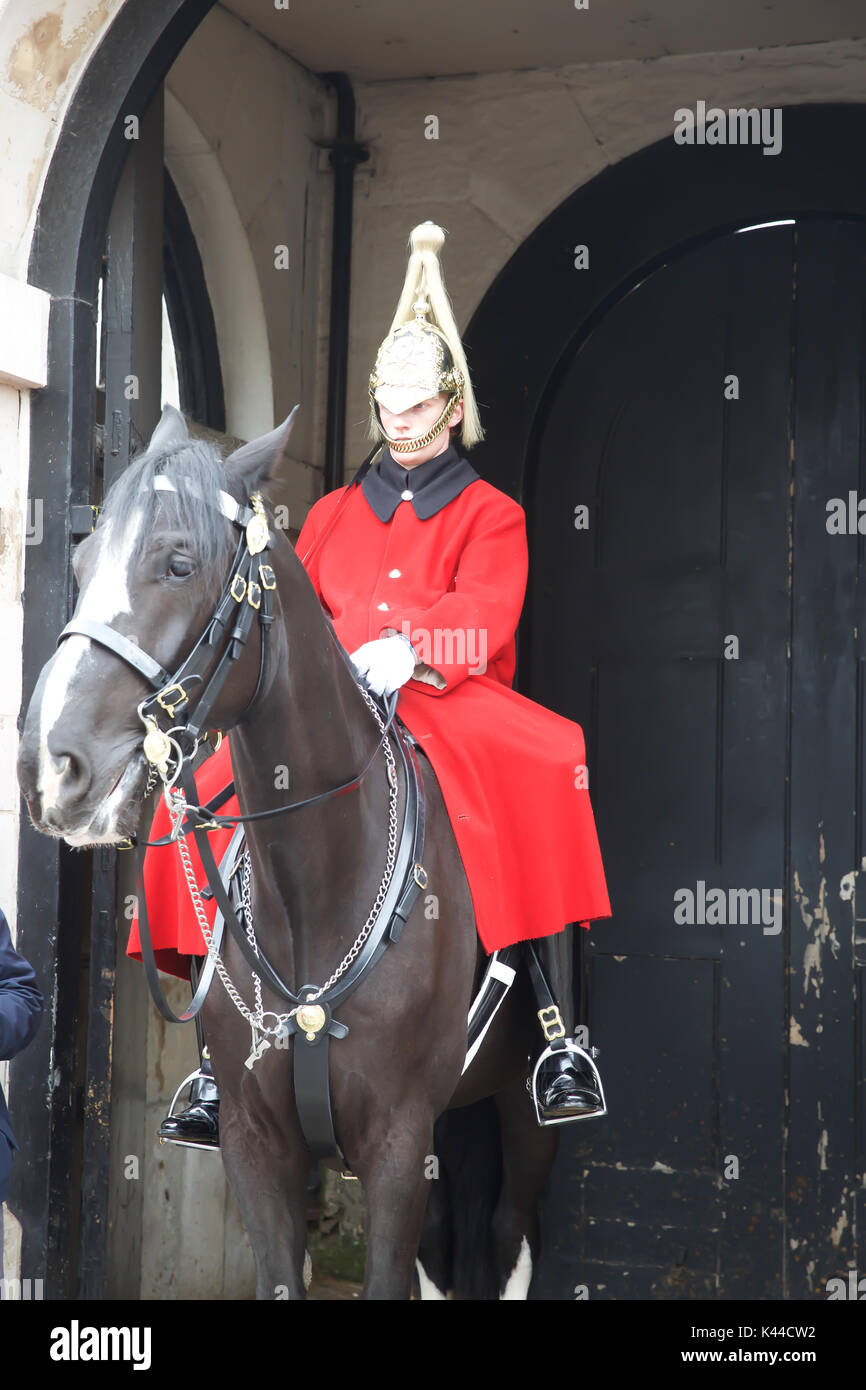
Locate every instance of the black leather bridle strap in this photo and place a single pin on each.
(256, 961)
(203, 813)
(151, 969)
(106, 636)
(311, 1054)
(189, 823)
(237, 640)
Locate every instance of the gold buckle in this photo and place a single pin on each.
(214, 734)
(257, 601)
(266, 573)
(552, 1027)
(171, 705)
(419, 873)
(238, 593)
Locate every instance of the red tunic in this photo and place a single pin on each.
(511, 771)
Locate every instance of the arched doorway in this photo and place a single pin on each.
(64, 1236)
(703, 627)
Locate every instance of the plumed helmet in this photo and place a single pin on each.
(422, 355)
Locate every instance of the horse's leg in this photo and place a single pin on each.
(264, 1155)
(435, 1261)
(268, 1179)
(391, 1164)
(528, 1152)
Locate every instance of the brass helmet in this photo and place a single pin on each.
(422, 355)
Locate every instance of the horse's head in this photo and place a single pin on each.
(152, 571)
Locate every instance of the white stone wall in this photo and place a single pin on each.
(243, 126)
(44, 49)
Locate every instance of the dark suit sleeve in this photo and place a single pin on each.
(21, 1003)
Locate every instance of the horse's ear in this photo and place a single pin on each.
(256, 463)
(171, 430)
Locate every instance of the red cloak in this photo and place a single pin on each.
(512, 772)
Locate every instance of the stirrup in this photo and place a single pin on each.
(197, 1075)
(567, 1045)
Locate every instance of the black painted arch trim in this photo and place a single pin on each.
(121, 78)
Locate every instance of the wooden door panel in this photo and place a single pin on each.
(688, 545)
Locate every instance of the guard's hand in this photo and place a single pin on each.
(386, 663)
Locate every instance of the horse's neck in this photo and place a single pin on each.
(311, 731)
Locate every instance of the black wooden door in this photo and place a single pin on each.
(704, 627)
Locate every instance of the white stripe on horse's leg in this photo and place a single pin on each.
(517, 1285)
(429, 1292)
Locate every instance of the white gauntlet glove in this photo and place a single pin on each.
(386, 663)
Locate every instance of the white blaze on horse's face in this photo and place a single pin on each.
(104, 597)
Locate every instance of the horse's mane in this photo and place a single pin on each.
(196, 469)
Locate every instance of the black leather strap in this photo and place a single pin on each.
(201, 813)
(256, 961)
(106, 636)
(311, 1081)
(151, 969)
(492, 993)
(539, 983)
(311, 1055)
(543, 992)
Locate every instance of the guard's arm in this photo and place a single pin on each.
(465, 630)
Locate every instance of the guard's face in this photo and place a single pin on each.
(415, 422)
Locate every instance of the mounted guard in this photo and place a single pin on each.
(421, 567)
(408, 859)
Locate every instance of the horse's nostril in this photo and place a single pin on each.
(72, 771)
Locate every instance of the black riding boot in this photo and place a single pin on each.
(566, 1082)
(198, 1124)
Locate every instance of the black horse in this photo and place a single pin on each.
(153, 570)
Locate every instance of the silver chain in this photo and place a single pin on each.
(177, 804)
(177, 808)
(393, 785)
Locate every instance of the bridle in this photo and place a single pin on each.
(248, 591)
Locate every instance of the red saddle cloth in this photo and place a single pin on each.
(512, 772)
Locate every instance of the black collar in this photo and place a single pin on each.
(433, 484)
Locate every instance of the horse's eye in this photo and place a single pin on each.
(180, 567)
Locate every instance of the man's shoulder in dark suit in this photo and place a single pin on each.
(21, 1006)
